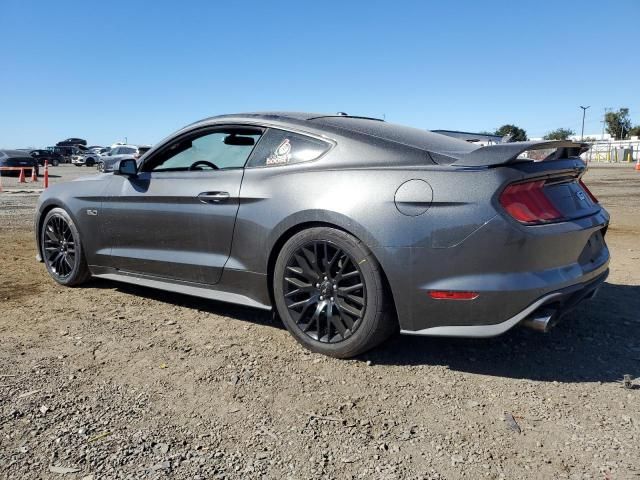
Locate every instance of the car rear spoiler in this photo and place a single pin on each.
(503, 153)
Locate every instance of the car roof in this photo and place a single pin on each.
(284, 116)
(356, 125)
(14, 153)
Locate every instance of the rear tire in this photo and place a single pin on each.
(62, 249)
(330, 295)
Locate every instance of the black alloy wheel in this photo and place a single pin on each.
(324, 291)
(329, 291)
(62, 250)
(59, 247)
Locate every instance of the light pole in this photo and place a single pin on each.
(604, 122)
(584, 111)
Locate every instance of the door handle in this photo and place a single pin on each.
(213, 197)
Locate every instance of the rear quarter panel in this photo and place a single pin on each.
(361, 200)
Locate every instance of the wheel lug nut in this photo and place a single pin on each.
(325, 278)
(332, 299)
(321, 297)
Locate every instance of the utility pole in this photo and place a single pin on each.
(604, 121)
(584, 111)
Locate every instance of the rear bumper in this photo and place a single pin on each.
(552, 306)
(510, 267)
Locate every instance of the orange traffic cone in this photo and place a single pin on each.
(46, 174)
(638, 164)
(21, 178)
(34, 178)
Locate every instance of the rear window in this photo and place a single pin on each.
(279, 147)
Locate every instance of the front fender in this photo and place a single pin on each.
(77, 198)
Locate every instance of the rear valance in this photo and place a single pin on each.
(503, 153)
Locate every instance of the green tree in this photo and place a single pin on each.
(559, 134)
(618, 123)
(516, 134)
(635, 131)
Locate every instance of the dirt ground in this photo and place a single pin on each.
(114, 381)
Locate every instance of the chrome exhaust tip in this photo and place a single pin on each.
(539, 321)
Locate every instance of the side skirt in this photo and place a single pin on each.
(193, 289)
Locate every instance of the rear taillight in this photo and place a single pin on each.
(591, 195)
(527, 203)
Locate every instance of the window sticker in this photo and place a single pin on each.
(281, 155)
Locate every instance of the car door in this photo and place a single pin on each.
(175, 219)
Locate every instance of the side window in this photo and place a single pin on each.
(279, 147)
(220, 149)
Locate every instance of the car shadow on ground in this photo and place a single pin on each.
(247, 314)
(598, 341)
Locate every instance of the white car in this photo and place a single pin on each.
(117, 153)
(89, 159)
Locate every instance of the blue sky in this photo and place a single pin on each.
(108, 70)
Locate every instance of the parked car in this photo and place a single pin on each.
(110, 161)
(70, 142)
(17, 158)
(66, 152)
(54, 158)
(351, 228)
(87, 158)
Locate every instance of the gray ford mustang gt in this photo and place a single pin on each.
(350, 227)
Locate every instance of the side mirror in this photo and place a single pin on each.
(127, 167)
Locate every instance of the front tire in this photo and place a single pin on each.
(62, 249)
(330, 295)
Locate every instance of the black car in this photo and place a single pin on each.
(54, 158)
(16, 159)
(65, 152)
(70, 142)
